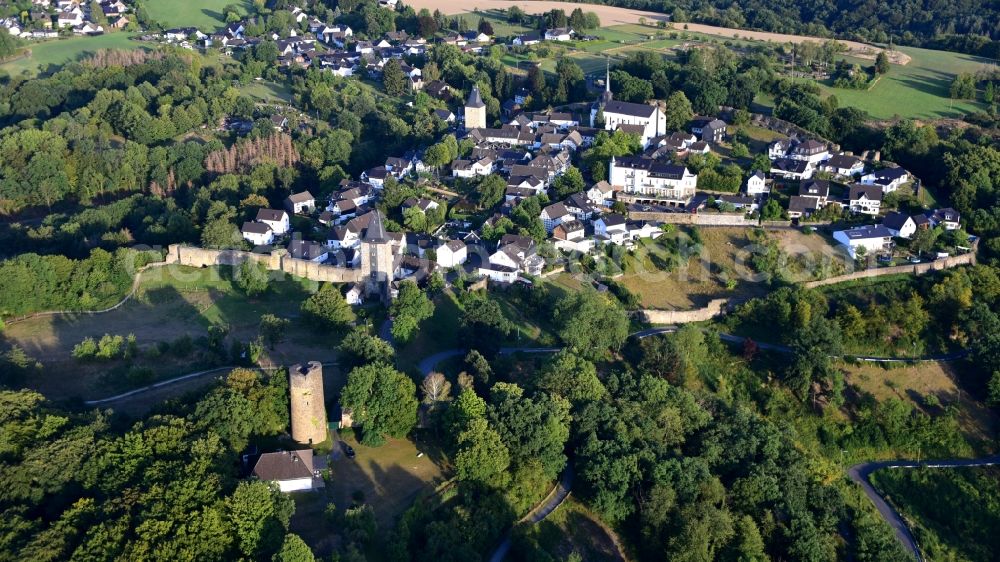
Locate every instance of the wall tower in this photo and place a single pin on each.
(308, 410)
(377, 259)
(475, 110)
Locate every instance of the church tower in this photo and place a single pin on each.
(377, 259)
(605, 98)
(475, 110)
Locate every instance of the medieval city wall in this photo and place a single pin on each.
(275, 261)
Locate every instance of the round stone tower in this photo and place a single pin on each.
(305, 382)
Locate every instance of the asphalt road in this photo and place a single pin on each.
(860, 473)
(540, 512)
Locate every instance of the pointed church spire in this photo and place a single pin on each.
(607, 76)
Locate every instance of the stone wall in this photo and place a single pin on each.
(915, 269)
(712, 219)
(277, 260)
(715, 307)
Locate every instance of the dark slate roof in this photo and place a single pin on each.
(816, 188)
(801, 204)
(872, 192)
(612, 219)
(256, 228)
(284, 465)
(843, 161)
(655, 168)
(475, 100)
(269, 215)
(305, 249)
(628, 108)
(895, 220)
(376, 230)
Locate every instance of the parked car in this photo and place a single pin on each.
(348, 450)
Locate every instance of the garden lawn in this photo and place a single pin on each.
(206, 15)
(58, 52)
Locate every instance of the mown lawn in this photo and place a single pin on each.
(204, 14)
(57, 52)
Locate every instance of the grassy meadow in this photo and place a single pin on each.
(57, 52)
(206, 15)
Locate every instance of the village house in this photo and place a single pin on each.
(308, 251)
(901, 225)
(865, 199)
(452, 253)
(559, 34)
(866, 240)
(601, 193)
(257, 233)
(709, 129)
(277, 220)
(888, 179)
(514, 255)
(555, 214)
(843, 165)
(611, 228)
(569, 230)
(300, 203)
(292, 471)
(812, 151)
(948, 218)
(756, 184)
(526, 40)
(789, 168)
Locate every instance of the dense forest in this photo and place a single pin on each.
(959, 25)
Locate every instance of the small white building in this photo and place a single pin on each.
(257, 233)
(865, 199)
(601, 193)
(757, 184)
(559, 34)
(555, 214)
(900, 225)
(292, 471)
(277, 220)
(873, 238)
(300, 203)
(611, 228)
(889, 179)
(452, 254)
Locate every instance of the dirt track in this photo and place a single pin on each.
(611, 15)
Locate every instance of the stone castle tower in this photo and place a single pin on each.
(475, 110)
(377, 259)
(305, 384)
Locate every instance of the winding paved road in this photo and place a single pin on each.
(860, 473)
(540, 511)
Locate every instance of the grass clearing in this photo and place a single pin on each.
(700, 280)
(389, 478)
(572, 528)
(266, 91)
(171, 302)
(914, 383)
(38, 56)
(206, 15)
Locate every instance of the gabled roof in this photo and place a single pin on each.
(895, 220)
(302, 197)
(255, 228)
(612, 219)
(284, 465)
(843, 161)
(305, 249)
(814, 188)
(629, 108)
(872, 192)
(556, 210)
(270, 215)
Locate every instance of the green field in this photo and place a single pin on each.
(58, 52)
(206, 15)
(918, 90)
(267, 92)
